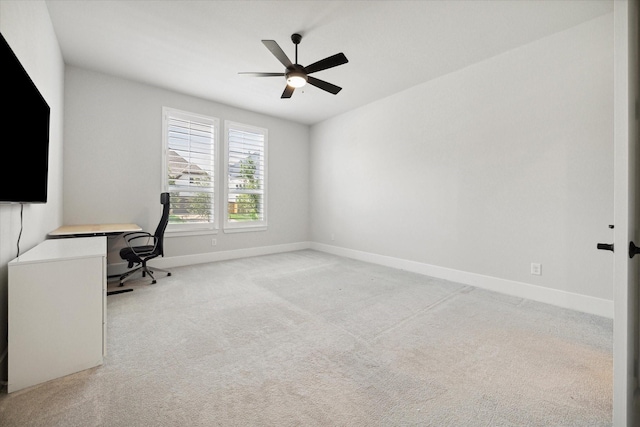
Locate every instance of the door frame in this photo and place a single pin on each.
(626, 334)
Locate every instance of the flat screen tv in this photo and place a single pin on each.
(25, 133)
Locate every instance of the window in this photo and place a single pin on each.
(189, 165)
(246, 176)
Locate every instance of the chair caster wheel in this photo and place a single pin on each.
(168, 274)
(153, 282)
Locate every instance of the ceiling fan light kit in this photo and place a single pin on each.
(296, 75)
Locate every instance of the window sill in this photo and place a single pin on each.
(197, 232)
(245, 229)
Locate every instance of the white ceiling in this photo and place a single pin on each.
(198, 47)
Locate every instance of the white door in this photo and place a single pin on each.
(626, 327)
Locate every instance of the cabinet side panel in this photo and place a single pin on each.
(55, 319)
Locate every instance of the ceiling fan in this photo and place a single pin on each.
(297, 75)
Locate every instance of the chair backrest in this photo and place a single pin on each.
(164, 220)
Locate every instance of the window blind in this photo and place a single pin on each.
(190, 168)
(246, 197)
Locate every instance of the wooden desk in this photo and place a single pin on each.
(91, 230)
(84, 230)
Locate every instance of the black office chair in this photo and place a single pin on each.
(143, 247)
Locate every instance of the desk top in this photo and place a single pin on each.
(93, 229)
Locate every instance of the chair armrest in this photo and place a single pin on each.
(127, 236)
(130, 237)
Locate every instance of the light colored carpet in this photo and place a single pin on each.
(310, 339)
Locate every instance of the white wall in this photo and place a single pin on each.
(483, 171)
(113, 163)
(27, 28)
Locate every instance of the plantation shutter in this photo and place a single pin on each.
(190, 168)
(246, 177)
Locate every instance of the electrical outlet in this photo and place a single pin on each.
(213, 242)
(536, 269)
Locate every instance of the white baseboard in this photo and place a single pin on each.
(578, 302)
(179, 261)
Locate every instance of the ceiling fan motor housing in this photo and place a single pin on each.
(296, 75)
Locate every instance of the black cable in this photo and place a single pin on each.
(20, 235)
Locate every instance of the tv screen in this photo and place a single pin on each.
(25, 126)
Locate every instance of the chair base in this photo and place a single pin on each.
(144, 270)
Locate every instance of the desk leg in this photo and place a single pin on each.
(119, 291)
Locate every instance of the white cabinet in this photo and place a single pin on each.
(57, 310)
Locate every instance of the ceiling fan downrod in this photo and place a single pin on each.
(296, 38)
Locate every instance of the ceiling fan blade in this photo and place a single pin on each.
(262, 74)
(288, 91)
(330, 62)
(277, 52)
(323, 85)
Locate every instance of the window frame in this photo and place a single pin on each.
(196, 228)
(245, 226)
